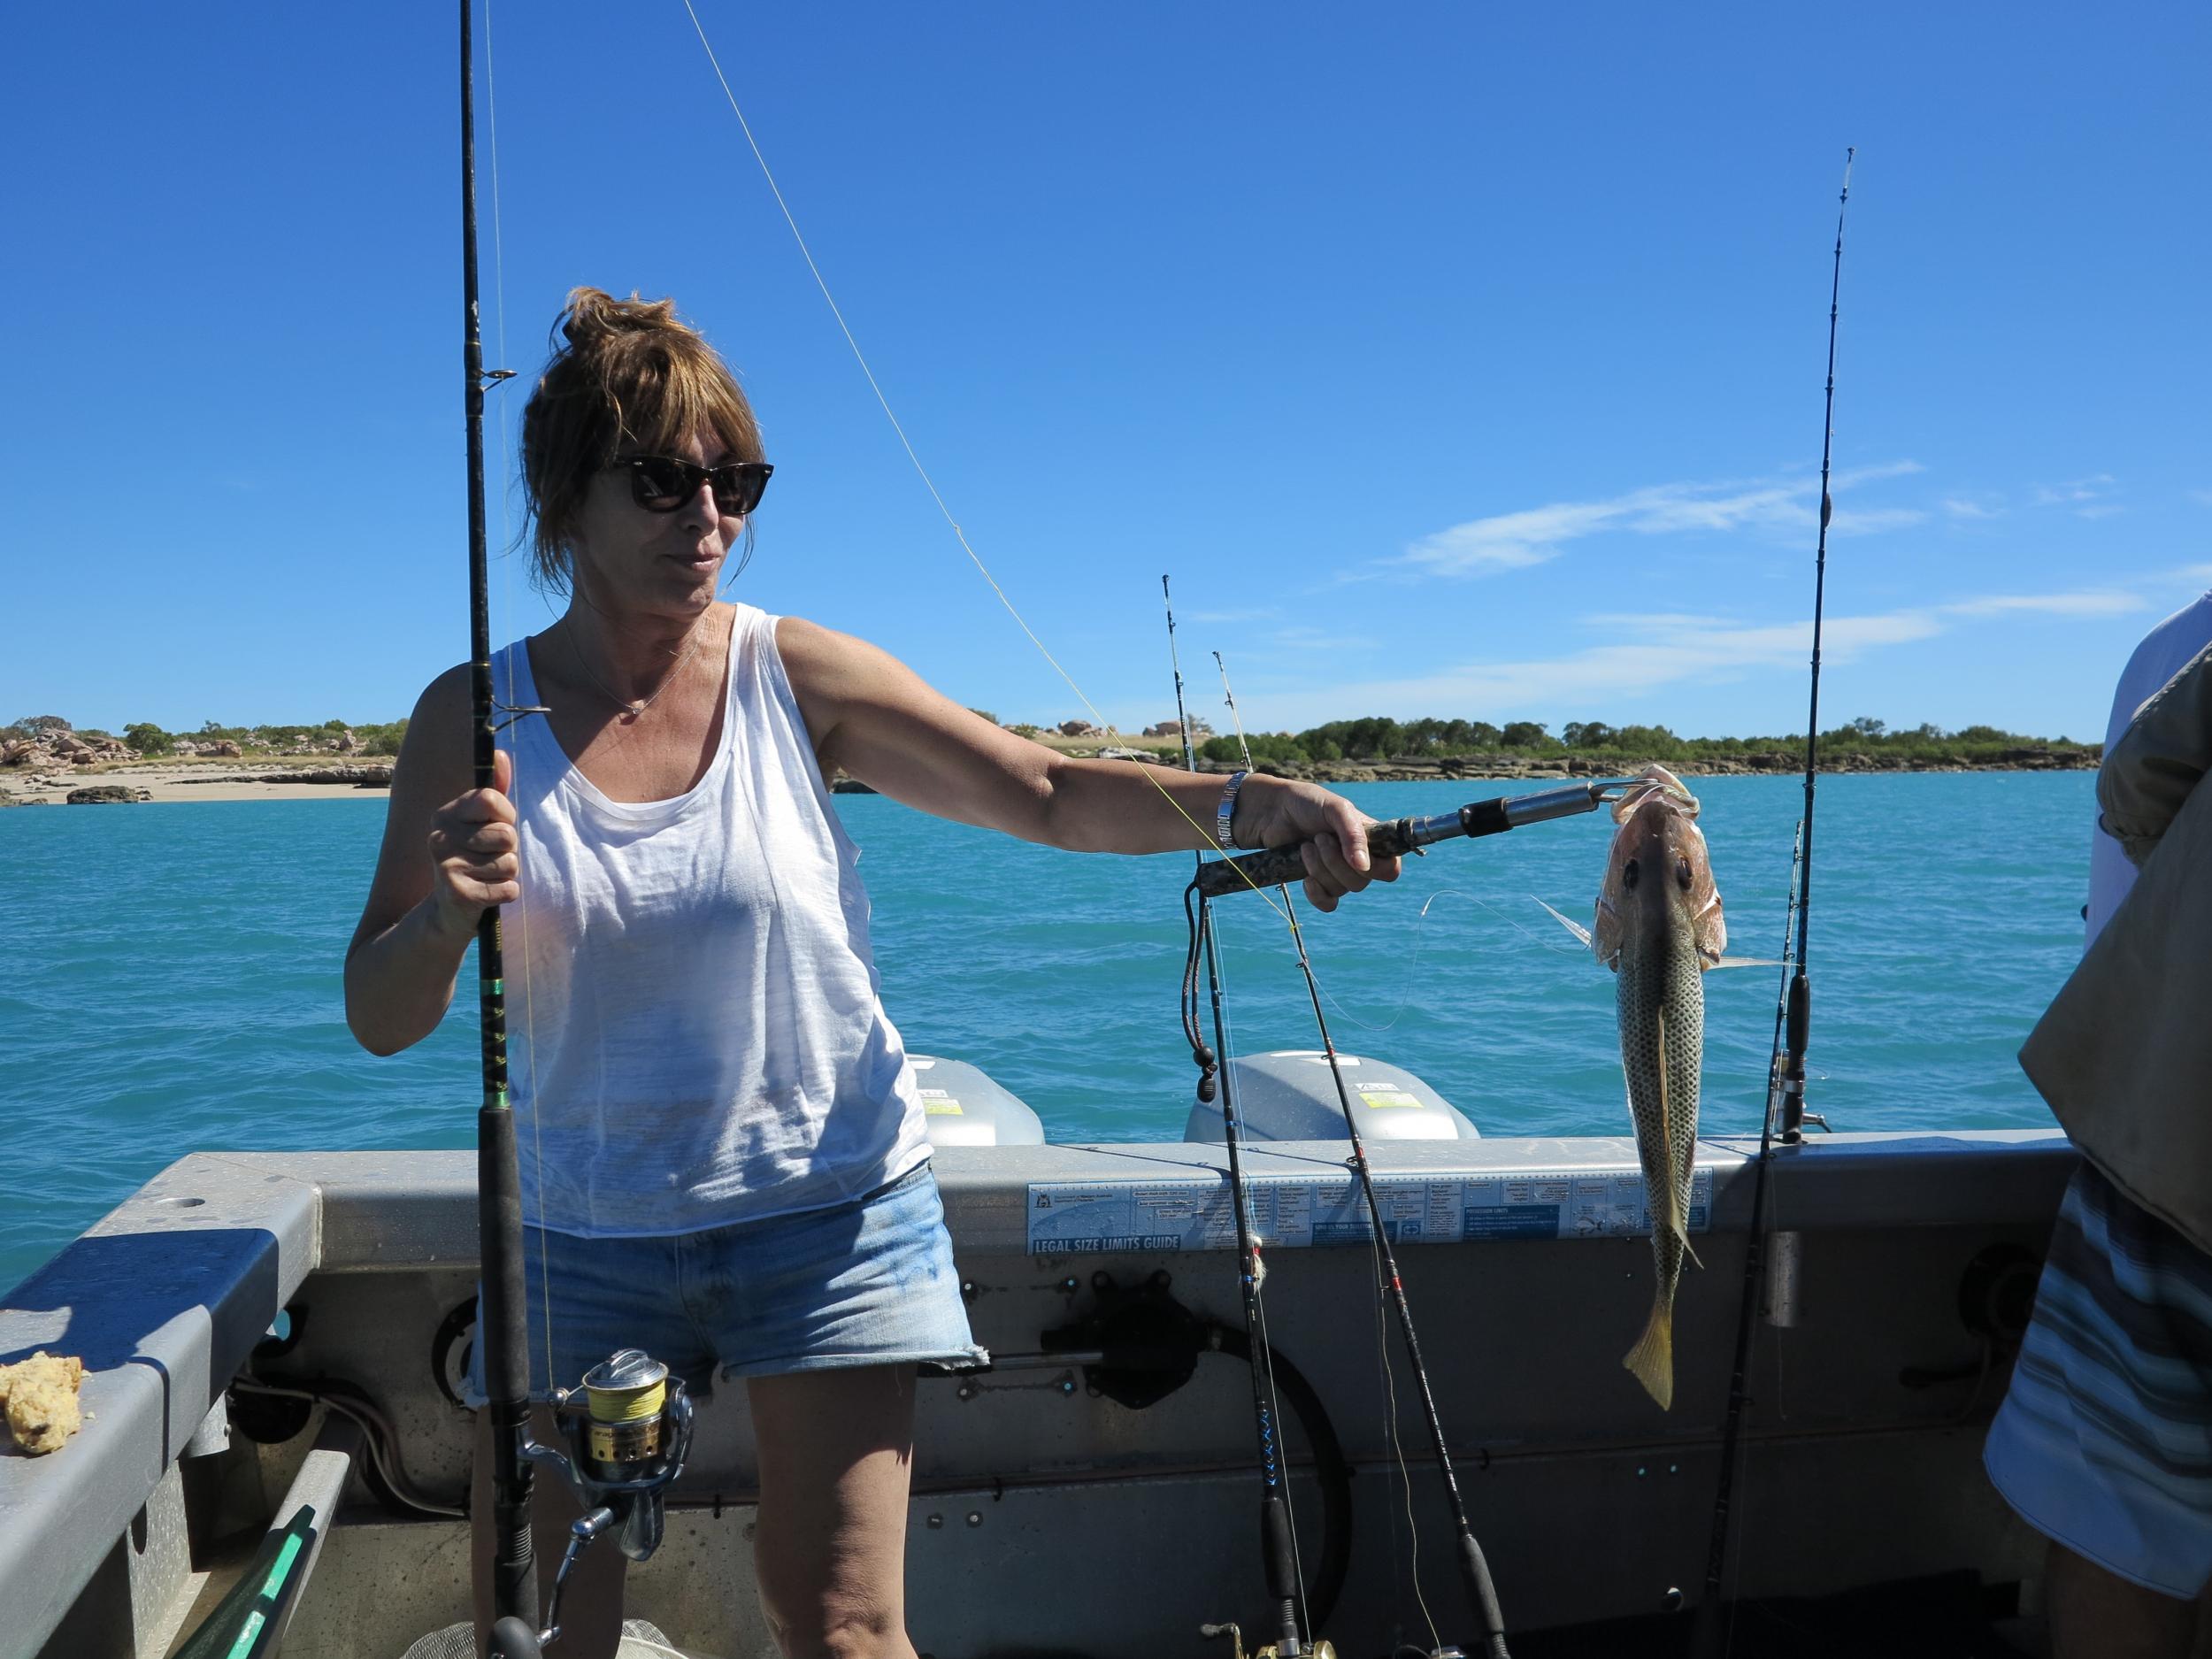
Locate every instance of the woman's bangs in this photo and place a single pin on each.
(684, 397)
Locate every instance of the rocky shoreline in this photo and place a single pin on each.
(130, 782)
(138, 783)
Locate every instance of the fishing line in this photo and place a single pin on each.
(1412, 975)
(1474, 1569)
(1281, 1558)
(503, 1306)
(1709, 1638)
(1206, 843)
(1785, 1092)
(514, 749)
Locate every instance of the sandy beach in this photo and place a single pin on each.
(258, 779)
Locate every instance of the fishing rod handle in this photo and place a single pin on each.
(1400, 836)
(1280, 865)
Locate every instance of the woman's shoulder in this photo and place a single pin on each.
(437, 754)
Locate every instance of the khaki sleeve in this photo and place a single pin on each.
(2158, 761)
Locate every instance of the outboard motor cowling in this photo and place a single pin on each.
(966, 1109)
(1290, 1095)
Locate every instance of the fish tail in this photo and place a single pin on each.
(1652, 1359)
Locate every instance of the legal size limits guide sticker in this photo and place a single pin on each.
(1193, 1212)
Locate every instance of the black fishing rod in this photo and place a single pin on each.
(1801, 992)
(503, 1310)
(1278, 865)
(1786, 1070)
(1278, 1548)
(1485, 818)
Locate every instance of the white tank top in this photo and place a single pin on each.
(696, 1032)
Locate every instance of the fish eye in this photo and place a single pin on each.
(1628, 876)
(1682, 873)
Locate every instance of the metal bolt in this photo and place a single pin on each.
(967, 1391)
(1067, 1385)
(1068, 1286)
(936, 1521)
(975, 1518)
(967, 1292)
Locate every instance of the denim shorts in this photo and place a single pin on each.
(868, 1282)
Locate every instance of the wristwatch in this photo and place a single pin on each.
(1227, 810)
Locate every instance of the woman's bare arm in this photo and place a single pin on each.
(872, 715)
(448, 852)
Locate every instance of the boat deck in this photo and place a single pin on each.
(1051, 1517)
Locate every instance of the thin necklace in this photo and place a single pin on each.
(633, 709)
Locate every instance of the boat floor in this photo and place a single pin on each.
(1948, 1617)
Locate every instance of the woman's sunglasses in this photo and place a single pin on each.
(662, 483)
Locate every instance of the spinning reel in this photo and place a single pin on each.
(1313, 1650)
(628, 1428)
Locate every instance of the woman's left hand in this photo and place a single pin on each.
(1329, 831)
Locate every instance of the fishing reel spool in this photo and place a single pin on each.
(628, 1427)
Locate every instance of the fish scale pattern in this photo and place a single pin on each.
(1660, 915)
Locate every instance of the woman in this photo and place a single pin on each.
(724, 1159)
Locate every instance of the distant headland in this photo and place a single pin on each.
(45, 758)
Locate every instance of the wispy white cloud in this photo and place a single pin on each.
(1651, 621)
(1875, 520)
(2204, 495)
(2076, 489)
(1268, 614)
(2093, 602)
(1665, 650)
(2086, 498)
(1513, 541)
(1969, 510)
(1308, 639)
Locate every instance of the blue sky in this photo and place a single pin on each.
(1455, 360)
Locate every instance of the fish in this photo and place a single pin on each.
(1659, 927)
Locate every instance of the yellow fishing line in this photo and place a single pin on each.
(1205, 842)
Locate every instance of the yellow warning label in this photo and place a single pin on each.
(1382, 1098)
(941, 1108)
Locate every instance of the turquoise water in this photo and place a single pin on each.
(169, 974)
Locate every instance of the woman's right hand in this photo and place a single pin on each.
(475, 853)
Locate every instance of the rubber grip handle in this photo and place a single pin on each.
(1280, 865)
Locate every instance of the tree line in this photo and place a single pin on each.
(1375, 738)
(1382, 739)
(375, 738)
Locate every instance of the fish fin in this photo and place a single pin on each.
(1651, 1361)
(1687, 1251)
(1574, 927)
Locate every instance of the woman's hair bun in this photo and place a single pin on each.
(594, 314)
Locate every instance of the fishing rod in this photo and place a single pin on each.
(1279, 865)
(1800, 991)
(1785, 1067)
(1483, 818)
(503, 1309)
(628, 1423)
(1279, 1549)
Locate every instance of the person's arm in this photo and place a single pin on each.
(869, 714)
(449, 853)
(2166, 749)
